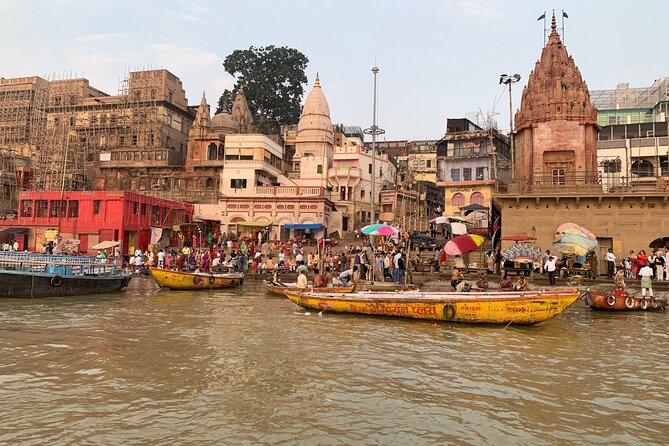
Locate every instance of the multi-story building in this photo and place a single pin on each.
(556, 165)
(472, 163)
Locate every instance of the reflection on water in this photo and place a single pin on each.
(242, 367)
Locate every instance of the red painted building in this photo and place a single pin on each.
(134, 219)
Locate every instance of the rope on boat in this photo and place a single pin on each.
(524, 309)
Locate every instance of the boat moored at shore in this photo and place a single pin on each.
(187, 281)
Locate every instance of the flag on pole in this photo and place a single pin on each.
(543, 16)
(564, 14)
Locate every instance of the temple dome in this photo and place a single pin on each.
(223, 122)
(555, 90)
(315, 113)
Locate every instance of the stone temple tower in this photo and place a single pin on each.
(556, 126)
(315, 139)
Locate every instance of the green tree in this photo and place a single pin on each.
(273, 79)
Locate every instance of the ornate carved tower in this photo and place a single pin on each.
(556, 125)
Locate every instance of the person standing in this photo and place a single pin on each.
(646, 272)
(401, 268)
(302, 281)
(551, 267)
(659, 266)
(610, 263)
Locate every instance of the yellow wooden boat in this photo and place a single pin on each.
(529, 307)
(179, 280)
(281, 288)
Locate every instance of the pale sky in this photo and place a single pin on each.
(438, 58)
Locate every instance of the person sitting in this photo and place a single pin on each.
(348, 275)
(463, 287)
(456, 278)
(521, 284)
(302, 281)
(336, 282)
(506, 284)
(482, 283)
(619, 279)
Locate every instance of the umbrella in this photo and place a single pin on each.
(463, 244)
(661, 242)
(518, 238)
(440, 220)
(566, 248)
(380, 229)
(458, 228)
(567, 228)
(105, 245)
(458, 218)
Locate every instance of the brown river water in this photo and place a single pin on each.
(241, 367)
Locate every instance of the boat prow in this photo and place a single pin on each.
(525, 308)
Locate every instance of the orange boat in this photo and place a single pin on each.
(619, 300)
(281, 288)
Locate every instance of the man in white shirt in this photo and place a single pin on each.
(299, 258)
(550, 267)
(646, 284)
(610, 264)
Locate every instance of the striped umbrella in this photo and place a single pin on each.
(463, 244)
(380, 229)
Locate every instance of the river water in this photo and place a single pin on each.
(242, 367)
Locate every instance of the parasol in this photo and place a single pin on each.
(571, 238)
(105, 245)
(463, 244)
(380, 229)
(458, 228)
(573, 228)
(439, 220)
(566, 248)
(519, 238)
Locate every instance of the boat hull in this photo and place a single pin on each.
(25, 284)
(524, 308)
(281, 288)
(177, 280)
(622, 301)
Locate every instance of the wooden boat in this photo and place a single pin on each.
(26, 274)
(528, 307)
(619, 300)
(383, 286)
(281, 288)
(179, 280)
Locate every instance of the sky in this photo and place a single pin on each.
(438, 59)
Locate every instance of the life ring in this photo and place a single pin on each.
(449, 311)
(629, 302)
(611, 299)
(125, 282)
(643, 303)
(198, 281)
(56, 281)
(212, 280)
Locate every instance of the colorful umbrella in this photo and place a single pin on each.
(566, 248)
(463, 244)
(571, 238)
(380, 229)
(573, 228)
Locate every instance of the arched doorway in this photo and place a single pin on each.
(643, 168)
(212, 152)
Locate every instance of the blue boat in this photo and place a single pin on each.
(27, 274)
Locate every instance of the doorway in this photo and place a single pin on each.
(604, 244)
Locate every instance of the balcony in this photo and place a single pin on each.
(254, 164)
(344, 172)
(546, 184)
(129, 158)
(291, 191)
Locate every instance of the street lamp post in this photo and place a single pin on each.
(374, 130)
(509, 79)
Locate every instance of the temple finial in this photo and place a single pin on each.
(553, 22)
(317, 82)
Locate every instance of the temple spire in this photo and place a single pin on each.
(317, 82)
(553, 23)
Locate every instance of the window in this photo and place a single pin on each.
(415, 164)
(210, 184)
(41, 208)
(26, 208)
(455, 174)
(57, 208)
(112, 119)
(428, 163)
(319, 168)
(212, 152)
(238, 183)
(558, 177)
(480, 173)
(96, 206)
(135, 207)
(151, 139)
(71, 122)
(121, 141)
(171, 95)
(387, 208)
(143, 209)
(422, 164)
(466, 174)
(643, 168)
(476, 198)
(369, 168)
(134, 140)
(73, 209)
(362, 193)
(168, 118)
(612, 166)
(458, 200)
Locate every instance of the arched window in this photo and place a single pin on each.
(476, 198)
(221, 152)
(458, 200)
(212, 152)
(210, 183)
(643, 168)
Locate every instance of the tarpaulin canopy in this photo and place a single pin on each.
(474, 207)
(303, 226)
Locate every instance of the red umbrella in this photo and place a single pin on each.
(518, 238)
(463, 244)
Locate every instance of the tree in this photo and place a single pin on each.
(272, 79)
